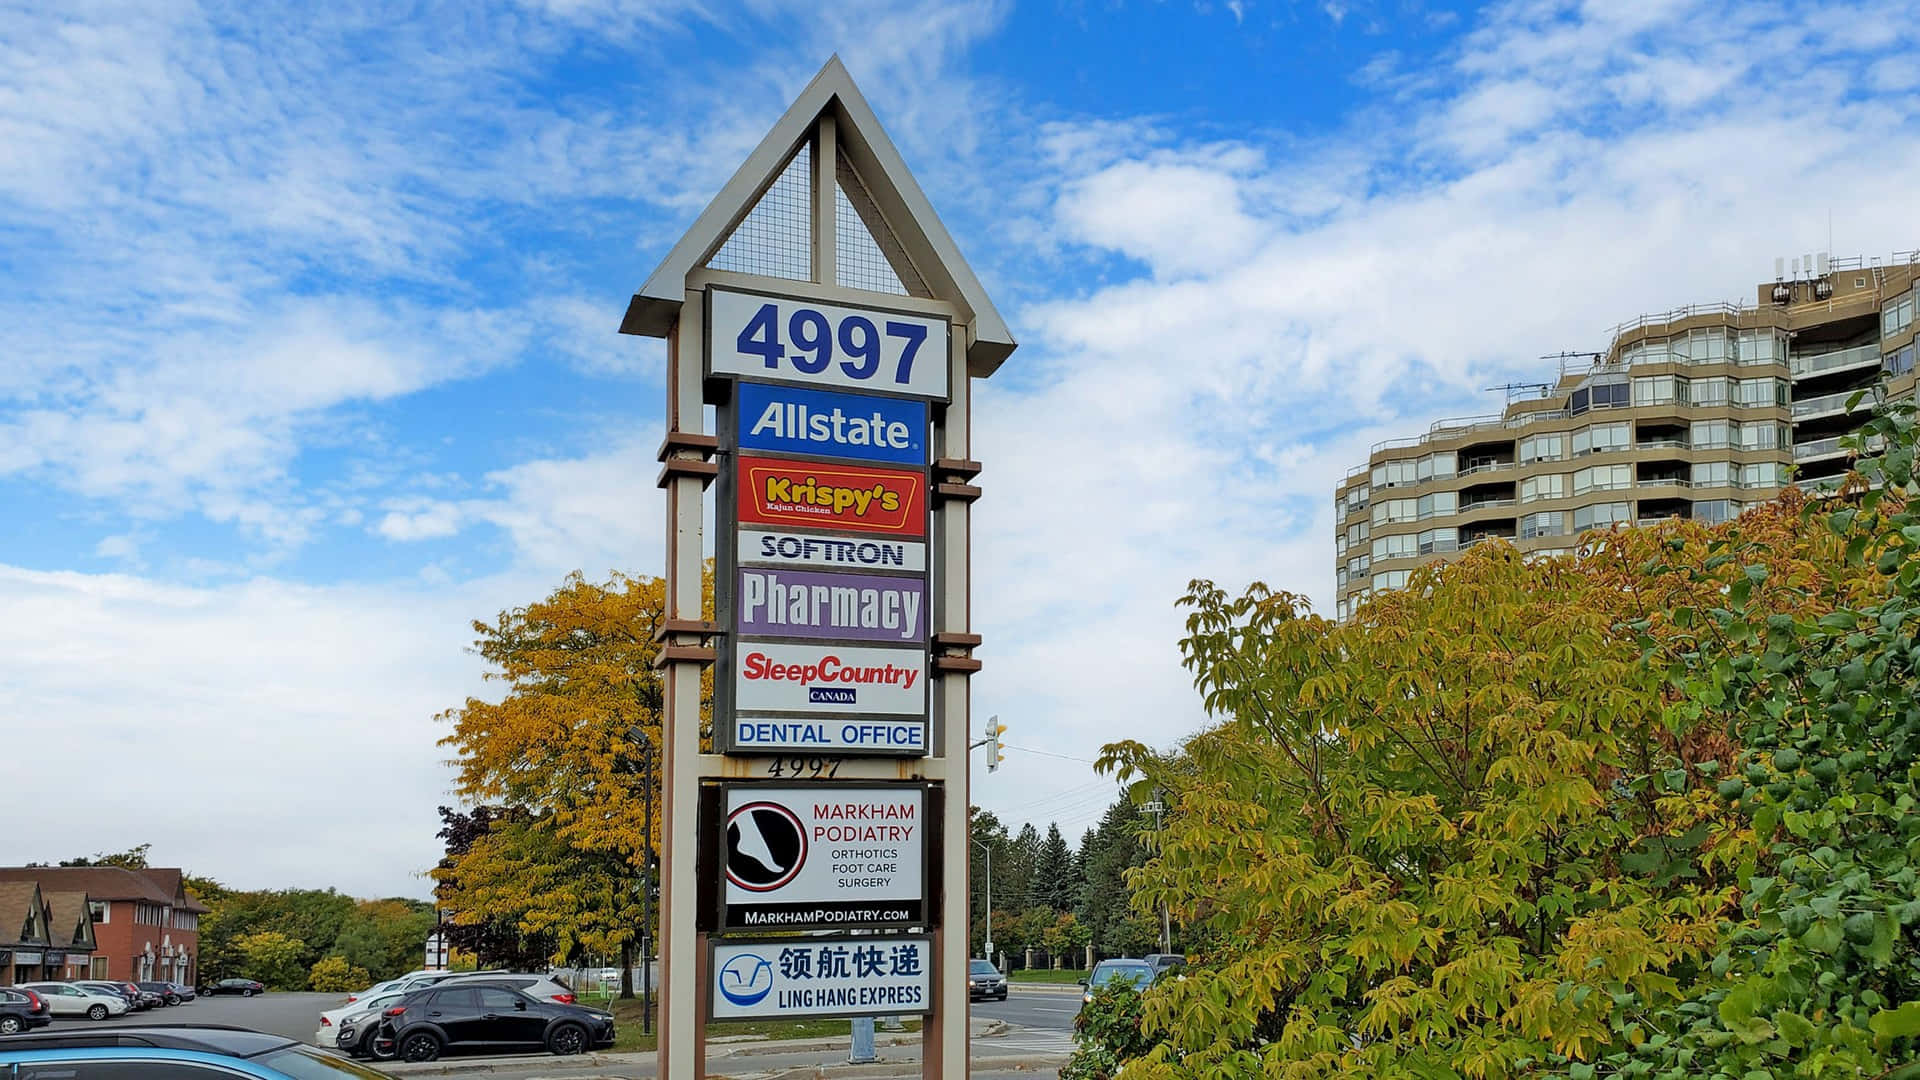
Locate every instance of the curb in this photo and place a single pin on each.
(910, 1067)
(1048, 988)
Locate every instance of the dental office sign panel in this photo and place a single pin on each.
(830, 427)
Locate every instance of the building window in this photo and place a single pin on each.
(1766, 474)
(1358, 532)
(1712, 390)
(1711, 434)
(1444, 539)
(1542, 448)
(100, 911)
(1438, 503)
(1602, 478)
(1610, 393)
(1713, 473)
(1899, 361)
(1437, 465)
(1599, 517)
(1759, 393)
(1395, 474)
(1341, 611)
(1357, 498)
(1659, 390)
(1602, 438)
(1763, 347)
(1703, 347)
(1392, 579)
(1546, 523)
(1765, 435)
(1388, 511)
(1534, 488)
(1898, 315)
(1393, 547)
(1714, 511)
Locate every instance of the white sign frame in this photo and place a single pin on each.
(834, 850)
(730, 959)
(732, 313)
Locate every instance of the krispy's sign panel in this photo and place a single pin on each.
(845, 498)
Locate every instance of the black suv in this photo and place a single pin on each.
(466, 1017)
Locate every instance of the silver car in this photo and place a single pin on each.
(66, 999)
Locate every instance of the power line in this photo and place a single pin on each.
(1049, 753)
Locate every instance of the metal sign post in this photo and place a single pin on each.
(822, 309)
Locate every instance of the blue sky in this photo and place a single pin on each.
(308, 350)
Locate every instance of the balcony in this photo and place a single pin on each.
(1661, 444)
(1819, 449)
(1838, 360)
(1836, 404)
(1482, 504)
(1485, 467)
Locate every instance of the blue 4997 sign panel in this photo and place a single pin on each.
(864, 427)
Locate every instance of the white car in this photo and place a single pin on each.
(376, 988)
(66, 999)
(334, 1021)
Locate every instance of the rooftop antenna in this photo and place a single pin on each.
(1513, 389)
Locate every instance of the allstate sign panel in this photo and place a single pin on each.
(795, 420)
(808, 343)
(863, 976)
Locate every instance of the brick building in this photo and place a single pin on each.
(143, 923)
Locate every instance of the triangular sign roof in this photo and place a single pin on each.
(901, 202)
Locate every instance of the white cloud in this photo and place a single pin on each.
(274, 716)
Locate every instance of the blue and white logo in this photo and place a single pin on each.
(796, 420)
(746, 979)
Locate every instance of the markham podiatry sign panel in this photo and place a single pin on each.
(824, 856)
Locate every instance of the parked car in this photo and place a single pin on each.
(424, 1025)
(1139, 973)
(137, 999)
(347, 1029)
(66, 999)
(535, 986)
(376, 989)
(22, 1010)
(1165, 963)
(243, 987)
(174, 1051)
(170, 993)
(985, 981)
(430, 978)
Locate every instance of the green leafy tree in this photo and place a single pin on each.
(1109, 850)
(1820, 974)
(272, 957)
(1109, 1032)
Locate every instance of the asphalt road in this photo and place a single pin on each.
(292, 1015)
(1043, 1010)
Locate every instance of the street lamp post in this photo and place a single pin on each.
(987, 944)
(646, 879)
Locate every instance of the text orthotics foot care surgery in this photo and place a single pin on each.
(831, 610)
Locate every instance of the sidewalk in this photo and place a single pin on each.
(759, 1060)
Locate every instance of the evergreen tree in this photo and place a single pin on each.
(1055, 886)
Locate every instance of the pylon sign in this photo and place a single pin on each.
(821, 310)
(825, 438)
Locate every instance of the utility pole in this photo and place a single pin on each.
(1166, 914)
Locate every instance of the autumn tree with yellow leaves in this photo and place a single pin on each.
(561, 754)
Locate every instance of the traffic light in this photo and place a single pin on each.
(994, 755)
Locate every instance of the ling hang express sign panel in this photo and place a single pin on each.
(794, 340)
(863, 976)
(797, 420)
(824, 856)
(778, 493)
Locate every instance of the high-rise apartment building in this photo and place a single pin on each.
(1696, 412)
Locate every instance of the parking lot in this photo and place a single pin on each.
(292, 1015)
